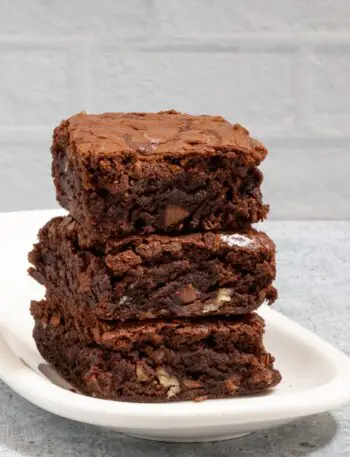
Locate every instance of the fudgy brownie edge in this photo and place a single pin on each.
(154, 276)
(157, 362)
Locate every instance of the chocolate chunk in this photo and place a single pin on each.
(188, 294)
(174, 215)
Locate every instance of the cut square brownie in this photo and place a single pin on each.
(127, 173)
(152, 276)
(156, 361)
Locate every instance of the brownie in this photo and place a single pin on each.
(128, 173)
(150, 276)
(157, 361)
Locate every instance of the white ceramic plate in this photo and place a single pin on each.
(316, 376)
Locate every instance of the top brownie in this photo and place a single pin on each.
(125, 173)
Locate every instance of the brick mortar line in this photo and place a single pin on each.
(167, 42)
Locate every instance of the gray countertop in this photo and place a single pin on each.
(314, 287)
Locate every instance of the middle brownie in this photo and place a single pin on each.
(152, 276)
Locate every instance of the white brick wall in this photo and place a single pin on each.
(282, 68)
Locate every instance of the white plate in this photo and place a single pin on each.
(316, 376)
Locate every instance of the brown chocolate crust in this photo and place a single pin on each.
(150, 135)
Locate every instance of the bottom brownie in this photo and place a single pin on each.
(162, 361)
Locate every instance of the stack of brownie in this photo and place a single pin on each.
(153, 278)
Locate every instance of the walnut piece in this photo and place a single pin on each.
(209, 308)
(141, 372)
(168, 381)
(223, 295)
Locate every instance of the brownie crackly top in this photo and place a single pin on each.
(165, 133)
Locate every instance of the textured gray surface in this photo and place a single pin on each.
(314, 285)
